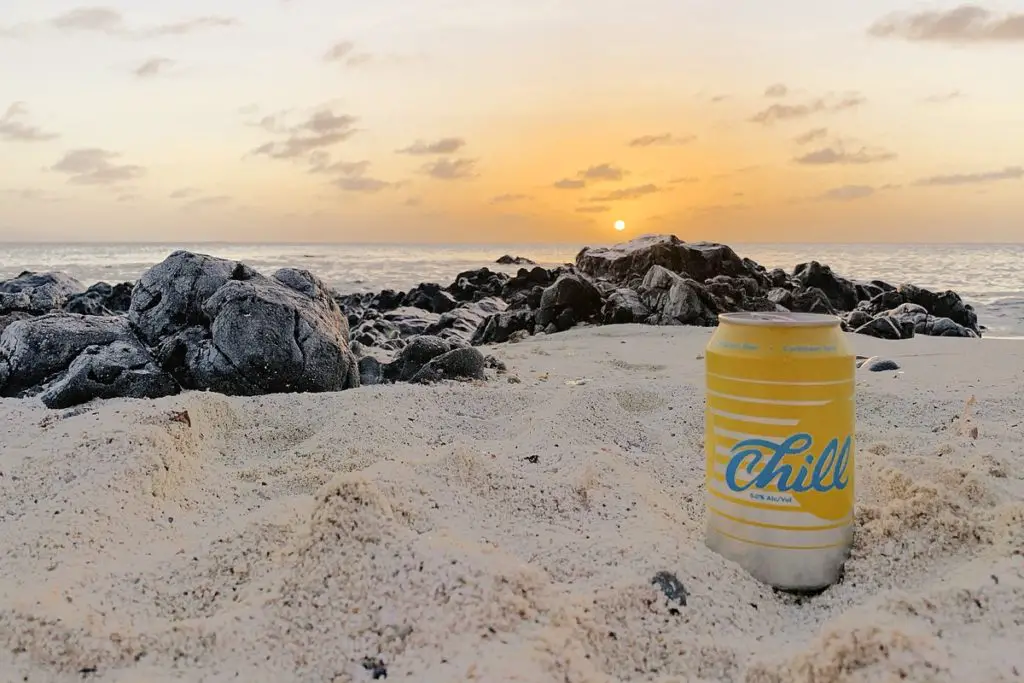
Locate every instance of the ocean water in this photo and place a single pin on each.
(988, 276)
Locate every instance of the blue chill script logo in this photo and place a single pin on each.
(825, 472)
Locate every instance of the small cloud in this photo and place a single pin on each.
(441, 146)
(719, 98)
(602, 172)
(350, 176)
(111, 22)
(627, 193)
(413, 201)
(128, 197)
(360, 183)
(94, 166)
(942, 98)
(837, 155)
(1008, 173)
(662, 140)
(184, 193)
(776, 90)
(153, 67)
(30, 194)
(14, 128)
(339, 51)
(320, 130)
(570, 184)
(810, 136)
(846, 193)
(451, 169)
(684, 180)
(790, 112)
(960, 25)
(593, 209)
(509, 198)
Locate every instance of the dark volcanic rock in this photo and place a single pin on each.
(37, 293)
(571, 299)
(73, 358)
(370, 371)
(13, 317)
(411, 321)
(507, 260)
(430, 297)
(885, 327)
(461, 324)
(624, 306)
(414, 356)
(811, 300)
(500, 327)
(841, 293)
(947, 304)
(473, 285)
(117, 370)
(922, 322)
(462, 363)
(674, 300)
(101, 299)
(220, 325)
(526, 288)
(634, 259)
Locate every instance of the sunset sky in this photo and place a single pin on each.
(497, 121)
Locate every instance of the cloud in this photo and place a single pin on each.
(846, 193)
(349, 176)
(13, 127)
(111, 22)
(344, 53)
(94, 166)
(602, 172)
(1008, 173)
(838, 155)
(184, 193)
(790, 112)
(963, 24)
(776, 90)
(509, 198)
(720, 98)
(570, 184)
(593, 209)
(320, 130)
(942, 98)
(441, 146)
(153, 67)
(451, 169)
(811, 136)
(30, 194)
(661, 140)
(626, 193)
(686, 180)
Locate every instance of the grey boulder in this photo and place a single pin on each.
(37, 293)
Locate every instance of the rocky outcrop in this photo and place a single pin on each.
(219, 325)
(37, 293)
(101, 299)
(507, 260)
(624, 263)
(676, 300)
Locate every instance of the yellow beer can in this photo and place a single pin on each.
(779, 444)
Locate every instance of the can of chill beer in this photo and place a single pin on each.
(779, 444)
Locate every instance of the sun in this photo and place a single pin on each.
(620, 225)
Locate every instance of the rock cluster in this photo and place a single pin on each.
(203, 323)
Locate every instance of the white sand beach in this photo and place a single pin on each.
(505, 530)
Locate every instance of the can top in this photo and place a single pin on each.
(779, 319)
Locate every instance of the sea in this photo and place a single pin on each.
(988, 276)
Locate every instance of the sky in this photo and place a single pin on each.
(510, 122)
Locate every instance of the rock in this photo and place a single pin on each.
(671, 586)
(633, 260)
(37, 293)
(571, 299)
(370, 371)
(856, 318)
(473, 285)
(884, 327)
(414, 357)
(74, 358)
(507, 260)
(624, 306)
(463, 363)
(430, 297)
(918, 318)
(461, 324)
(738, 294)
(117, 370)
(500, 327)
(811, 300)
(674, 300)
(947, 304)
(876, 364)
(885, 301)
(841, 293)
(101, 299)
(12, 317)
(375, 332)
(411, 321)
(781, 297)
(526, 288)
(777, 277)
(220, 325)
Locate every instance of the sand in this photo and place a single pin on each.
(503, 531)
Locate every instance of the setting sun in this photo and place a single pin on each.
(620, 225)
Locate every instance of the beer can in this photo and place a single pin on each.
(779, 446)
